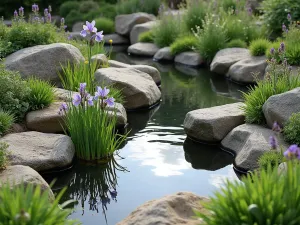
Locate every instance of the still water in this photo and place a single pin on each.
(156, 159)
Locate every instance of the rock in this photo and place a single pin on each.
(280, 107)
(63, 95)
(117, 64)
(249, 142)
(164, 54)
(213, 124)
(189, 59)
(43, 61)
(16, 175)
(143, 49)
(226, 58)
(48, 120)
(138, 88)
(117, 39)
(77, 27)
(101, 60)
(125, 23)
(248, 70)
(176, 209)
(140, 28)
(40, 151)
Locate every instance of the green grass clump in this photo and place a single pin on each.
(184, 44)
(6, 121)
(147, 36)
(270, 158)
(41, 94)
(259, 47)
(3, 155)
(28, 205)
(105, 24)
(291, 129)
(67, 7)
(236, 43)
(195, 14)
(265, 197)
(133, 6)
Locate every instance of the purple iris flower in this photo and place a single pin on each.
(110, 101)
(273, 142)
(272, 51)
(21, 11)
(99, 36)
(276, 127)
(88, 28)
(291, 151)
(70, 37)
(289, 17)
(15, 14)
(63, 108)
(90, 100)
(82, 87)
(76, 100)
(102, 93)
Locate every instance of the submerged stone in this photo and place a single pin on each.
(164, 54)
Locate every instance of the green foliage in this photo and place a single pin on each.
(274, 45)
(292, 41)
(195, 14)
(265, 197)
(106, 10)
(3, 29)
(41, 94)
(73, 17)
(236, 43)
(259, 47)
(6, 121)
(147, 36)
(3, 155)
(132, 6)
(105, 24)
(184, 44)
(14, 93)
(291, 129)
(211, 38)
(270, 158)
(86, 6)
(67, 7)
(28, 205)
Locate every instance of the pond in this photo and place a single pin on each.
(157, 158)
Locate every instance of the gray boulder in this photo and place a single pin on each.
(164, 54)
(101, 60)
(176, 209)
(138, 88)
(189, 59)
(117, 39)
(140, 28)
(125, 23)
(77, 27)
(143, 49)
(213, 124)
(248, 142)
(63, 95)
(40, 151)
(247, 71)
(280, 107)
(43, 61)
(117, 64)
(226, 58)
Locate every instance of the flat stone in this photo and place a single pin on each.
(248, 142)
(226, 58)
(189, 59)
(137, 87)
(164, 54)
(125, 23)
(101, 60)
(139, 29)
(43, 61)
(247, 71)
(176, 209)
(40, 151)
(143, 49)
(117, 39)
(280, 107)
(213, 124)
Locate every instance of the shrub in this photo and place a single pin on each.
(105, 24)
(211, 38)
(26, 204)
(41, 94)
(6, 121)
(3, 155)
(270, 201)
(236, 43)
(292, 40)
(184, 44)
(259, 47)
(67, 7)
(87, 6)
(3, 29)
(270, 158)
(14, 93)
(106, 10)
(73, 17)
(147, 36)
(132, 6)
(195, 14)
(292, 129)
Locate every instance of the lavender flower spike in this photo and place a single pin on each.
(15, 14)
(21, 11)
(99, 36)
(76, 100)
(276, 127)
(273, 142)
(82, 87)
(289, 17)
(272, 51)
(88, 28)
(110, 101)
(102, 93)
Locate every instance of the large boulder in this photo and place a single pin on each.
(189, 59)
(140, 28)
(176, 209)
(116, 38)
(125, 23)
(143, 49)
(226, 58)
(164, 54)
(248, 142)
(280, 107)
(137, 87)
(100, 59)
(247, 71)
(43, 61)
(40, 151)
(213, 124)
